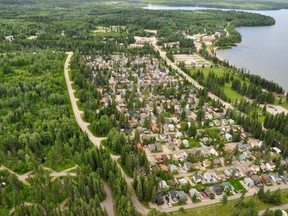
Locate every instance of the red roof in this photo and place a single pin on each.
(139, 147)
(154, 128)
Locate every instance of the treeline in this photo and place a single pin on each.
(212, 82)
(278, 122)
(269, 197)
(260, 81)
(253, 91)
(54, 28)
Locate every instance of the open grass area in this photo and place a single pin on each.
(230, 93)
(237, 185)
(285, 105)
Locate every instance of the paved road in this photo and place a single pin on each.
(97, 142)
(282, 207)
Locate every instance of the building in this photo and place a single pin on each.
(249, 182)
(218, 189)
(159, 199)
(193, 192)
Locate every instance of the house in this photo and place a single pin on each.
(219, 176)
(173, 168)
(228, 137)
(241, 157)
(224, 122)
(183, 181)
(158, 147)
(265, 179)
(276, 150)
(206, 163)
(208, 177)
(227, 186)
(163, 184)
(227, 173)
(193, 192)
(162, 138)
(254, 168)
(164, 168)
(172, 182)
(188, 165)
(159, 199)
(217, 123)
(257, 180)
(182, 195)
(173, 195)
(249, 182)
(208, 191)
(270, 166)
(263, 167)
(186, 143)
(218, 162)
(213, 152)
(197, 178)
(178, 135)
(171, 127)
(154, 128)
(218, 189)
(152, 147)
(182, 156)
(139, 147)
(171, 145)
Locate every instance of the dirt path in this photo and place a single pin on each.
(97, 142)
(78, 113)
(282, 207)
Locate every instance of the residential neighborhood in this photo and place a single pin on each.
(194, 148)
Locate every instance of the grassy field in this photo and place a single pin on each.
(285, 105)
(220, 72)
(227, 210)
(237, 185)
(230, 93)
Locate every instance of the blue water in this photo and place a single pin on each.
(263, 50)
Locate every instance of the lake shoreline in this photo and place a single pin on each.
(199, 7)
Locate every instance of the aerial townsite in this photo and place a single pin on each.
(141, 107)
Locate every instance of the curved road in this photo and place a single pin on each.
(108, 203)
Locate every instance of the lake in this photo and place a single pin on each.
(262, 50)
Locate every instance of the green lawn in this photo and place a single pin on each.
(285, 105)
(230, 93)
(237, 185)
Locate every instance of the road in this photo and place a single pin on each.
(53, 173)
(97, 142)
(108, 203)
(282, 207)
(78, 113)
